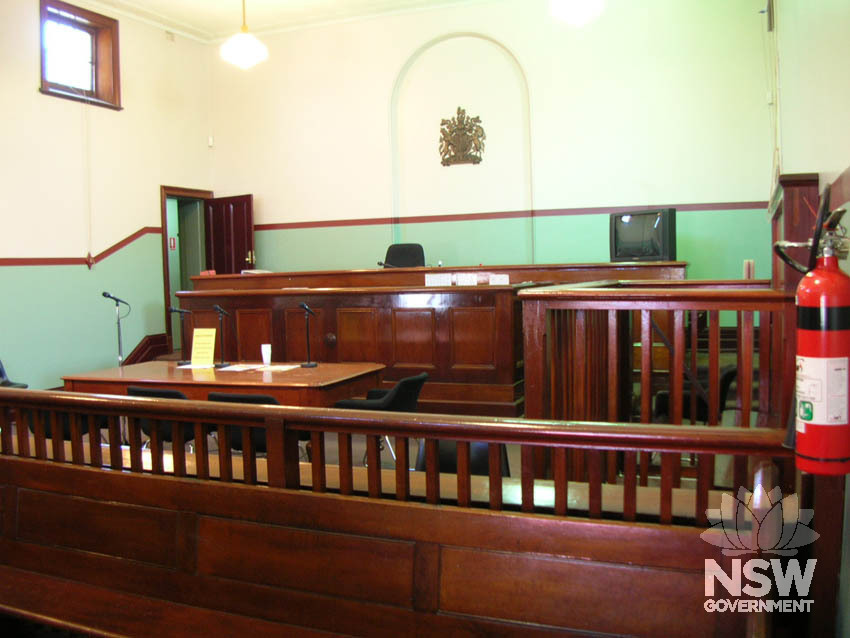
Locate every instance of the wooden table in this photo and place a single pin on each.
(321, 386)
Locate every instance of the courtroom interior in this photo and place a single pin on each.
(459, 317)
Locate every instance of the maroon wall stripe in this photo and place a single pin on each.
(415, 219)
(552, 212)
(79, 261)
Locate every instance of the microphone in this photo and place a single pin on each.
(115, 299)
(385, 264)
(220, 310)
(307, 308)
(180, 310)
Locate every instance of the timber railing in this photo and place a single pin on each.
(650, 351)
(32, 422)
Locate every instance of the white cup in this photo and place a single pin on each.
(266, 349)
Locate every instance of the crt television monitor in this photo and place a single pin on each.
(647, 235)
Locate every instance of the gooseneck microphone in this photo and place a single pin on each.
(385, 264)
(307, 312)
(115, 299)
(220, 310)
(307, 308)
(180, 310)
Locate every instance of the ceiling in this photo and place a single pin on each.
(216, 19)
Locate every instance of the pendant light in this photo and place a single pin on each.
(243, 49)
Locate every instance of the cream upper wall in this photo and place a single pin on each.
(661, 101)
(814, 85)
(80, 178)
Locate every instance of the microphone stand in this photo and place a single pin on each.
(308, 363)
(222, 363)
(120, 345)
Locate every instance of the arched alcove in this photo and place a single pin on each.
(480, 75)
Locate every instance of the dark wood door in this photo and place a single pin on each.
(229, 233)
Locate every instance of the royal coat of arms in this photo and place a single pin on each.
(461, 139)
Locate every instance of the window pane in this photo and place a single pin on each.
(68, 54)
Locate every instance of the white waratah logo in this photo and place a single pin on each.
(767, 533)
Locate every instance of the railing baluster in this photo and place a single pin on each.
(373, 461)
(677, 389)
(464, 483)
(39, 425)
(116, 455)
(645, 366)
(23, 432)
(432, 471)
(692, 396)
(134, 433)
(291, 458)
(402, 468)
(95, 452)
(77, 454)
(714, 407)
(274, 452)
(346, 464)
(178, 449)
(629, 485)
(156, 447)
(317, 445)
(202, 459)
(666, 507)
(765, 358)
(561, 480)
(6, 431)
(249, 457)
(494, 451)
(527, 477)
(225, 459)
(57, 437)
(745, 369)
(594, 483)
(705, 480)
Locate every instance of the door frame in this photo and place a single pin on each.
(164, 193)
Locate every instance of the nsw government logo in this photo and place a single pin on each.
(761, 524)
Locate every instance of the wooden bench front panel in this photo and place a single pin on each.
(340, 564)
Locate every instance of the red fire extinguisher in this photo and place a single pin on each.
(822, 412)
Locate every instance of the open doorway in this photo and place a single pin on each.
(183, 249)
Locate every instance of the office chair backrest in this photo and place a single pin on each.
(5, 382)
(404, 395)
(479, 458)
(165, 426)
(258, 436)
(405, 255)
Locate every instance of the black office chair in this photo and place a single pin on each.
(164, 428)
(402, 397)
(258, 435)
(661, 413)
(65, 423)
(404, 256)
(479, 458)
(5, 382)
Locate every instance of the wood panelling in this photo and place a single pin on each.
(473, 337)
(364, 568)
(295, 335)
(575, 594)
(538, 273)
(357, 334)
(414, 338)
(84, 524)
(254, 328)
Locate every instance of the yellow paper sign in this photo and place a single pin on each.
(203, 347)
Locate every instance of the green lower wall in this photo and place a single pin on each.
(57, 322)
(714, 243)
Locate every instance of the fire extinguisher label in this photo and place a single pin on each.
(821, 391)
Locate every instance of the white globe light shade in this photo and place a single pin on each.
(576, 13)
(243, 50)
